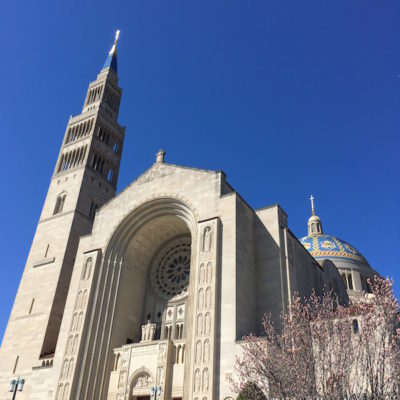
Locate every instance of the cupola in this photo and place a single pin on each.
(314, 223)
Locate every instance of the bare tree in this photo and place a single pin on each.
(324, 350)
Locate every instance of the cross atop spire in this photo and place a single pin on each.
(111, 61)
(312, 205)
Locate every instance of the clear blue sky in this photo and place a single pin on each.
(289, 98)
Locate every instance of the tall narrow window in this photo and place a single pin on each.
(344, 279)
(59, 203)
(110, 175)
(350, 280)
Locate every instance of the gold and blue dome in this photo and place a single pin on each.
(322, 246)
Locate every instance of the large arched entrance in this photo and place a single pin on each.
(143, 301)
(154, 283)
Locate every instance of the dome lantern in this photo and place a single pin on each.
(314, 223)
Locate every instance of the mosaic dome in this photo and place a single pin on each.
(322, 246)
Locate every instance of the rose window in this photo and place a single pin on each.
(170, 274)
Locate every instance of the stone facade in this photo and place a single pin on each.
(150, 294)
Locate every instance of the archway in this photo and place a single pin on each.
(144, 276)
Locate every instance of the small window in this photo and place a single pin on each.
(344, 279)
(110, 175)
(59, 203)
(115, 148)
(350, 280)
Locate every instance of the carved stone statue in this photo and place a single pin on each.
(148, 331)
(207, 239)
(162, 353)
(87, 269)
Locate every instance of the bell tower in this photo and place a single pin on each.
(84, 178)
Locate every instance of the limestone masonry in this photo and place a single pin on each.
(147, 294)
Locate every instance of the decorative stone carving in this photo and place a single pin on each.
(148, 331)
(206, 353)
(180, 312)
(199, 324)
(201, 298)
(209, 272)
(142, 381)
(198, 352)
(207, 239)
(207, 324)
(87, 269)
(162, 353)
(208, 298)
(202, 274)
(75, 344)
(197, 380)
(125, 357)
(205, 380)
(169, 315)
(205, 302)
(64, 373)
(160, 375)
(170, 271)
(157, 172)
(122, 380)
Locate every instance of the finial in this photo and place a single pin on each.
(114, 47)
(312, 204)
(160, 156)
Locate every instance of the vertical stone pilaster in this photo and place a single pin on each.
(72, 354)
(203, 360)
(163, 369)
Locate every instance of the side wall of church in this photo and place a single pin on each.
(270, 282)
(245, 269)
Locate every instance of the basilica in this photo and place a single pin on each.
(146, 294)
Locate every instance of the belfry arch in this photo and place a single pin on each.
(143, 291)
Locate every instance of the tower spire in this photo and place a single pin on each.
(111, 61)
(314, 222)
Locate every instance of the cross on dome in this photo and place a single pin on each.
(312, 204)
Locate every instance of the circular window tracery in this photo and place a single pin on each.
(170, 273)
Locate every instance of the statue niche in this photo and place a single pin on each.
(207, 239)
